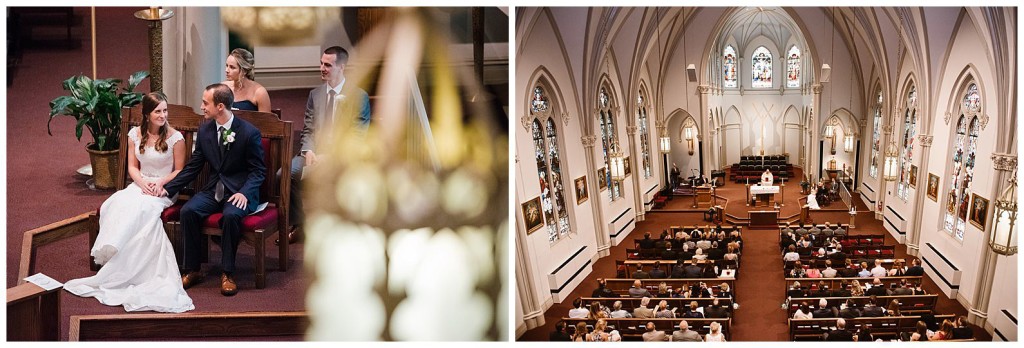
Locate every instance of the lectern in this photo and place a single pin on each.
(703, 197)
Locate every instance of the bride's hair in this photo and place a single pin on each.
(149, 103)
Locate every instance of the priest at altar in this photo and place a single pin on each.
(767, 178)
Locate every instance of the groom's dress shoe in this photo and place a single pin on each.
(294, 236)
(191, 278)
(227, 285)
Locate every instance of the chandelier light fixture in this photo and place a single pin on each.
(1003, 239)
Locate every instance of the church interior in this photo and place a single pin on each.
(704, 163)
(437, 79)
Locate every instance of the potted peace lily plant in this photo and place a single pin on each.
(96, 106)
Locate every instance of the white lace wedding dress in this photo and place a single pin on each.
(139, 270)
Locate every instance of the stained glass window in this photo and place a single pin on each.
(876, 143)
(645, 139)
(729, 67)
(606, 119)
(539, 102)
(557, 187)
(793, 68)
(965, 147)
(761, 68)
(906, 155)
(540, 151)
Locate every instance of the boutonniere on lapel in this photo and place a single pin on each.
(227, 138)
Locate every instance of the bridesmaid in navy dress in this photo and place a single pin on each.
(249, 94)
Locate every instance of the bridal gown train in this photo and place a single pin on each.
(139, 269)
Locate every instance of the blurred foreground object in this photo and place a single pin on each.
(408, 220)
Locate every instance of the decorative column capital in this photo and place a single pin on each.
(887, 129)
(526, 120)
(631, 130)
(588, 140)
(925, 139)
(703, 89)
(948, 117)
(816, 88)
(1004, 162)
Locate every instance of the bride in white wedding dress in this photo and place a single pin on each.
(139, 269)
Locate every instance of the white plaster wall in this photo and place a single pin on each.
(966, 49)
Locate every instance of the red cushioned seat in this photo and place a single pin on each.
(172, 213)
(250, 223)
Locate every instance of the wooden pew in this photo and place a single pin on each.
(682, 303)
(881, 327)
(834, 283)
(909, 304)
(33, 314)
(632, 329)
(621, 286)
(193, 326)
(820, 263)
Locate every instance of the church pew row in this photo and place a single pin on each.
(682, 303)
(834, 283)
(632, 329)
(626, 268)
(188, 326)
(850, 239)
(886, 328)
(909, 304)
(621, 286)
(856, 251)
(820, 263)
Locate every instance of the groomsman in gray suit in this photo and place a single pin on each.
(335, 94)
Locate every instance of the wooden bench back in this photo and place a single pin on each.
(632, 329)
(630, 303)
(881, 327)
(621, 286)
(915, 304)
(835, 283)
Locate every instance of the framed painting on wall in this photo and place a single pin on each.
(533, 218)
(625, 165)
(581, 190)
(933, 187)
(602, 179)
(979, 211)
(913, 176)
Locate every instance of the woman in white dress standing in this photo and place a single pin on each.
(139, 269)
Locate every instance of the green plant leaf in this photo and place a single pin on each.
(135, 79)
(78, 127)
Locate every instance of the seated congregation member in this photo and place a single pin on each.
(850, 271)
(921, 332)
(249, 94)
(796, 291)
(918, 290)
(663, 310)
(643, 312)
(788, 229)
(814, 230)
(787, 240)
(581, 334)
(686, 253)
(840, 231)
(139, 270)
(638, 290)
(904, 289)
(840, 333)
(849, 310)
(580, 310)
(802, 312)
(798, 270)
(693, 311)
(702, 245)
(897, 270)
(894, 309)
(669, 253)
(710, 270)
(843, 290)
(801, 231)
(864, 271)
(864, 333)
(915, 270)
(715, 335)
(715, 310)
(598, 311)
(856, 289)
(618, 312)
(945, 332)
(792, 255)
(877, 289)
(838, 256)
(679, 270)
(640, 273)
(961, 331)
(871, 309)
(699, 254)
(663, 291)
(700, 290)
(732, 252)
(693, 270)
(657, 272)
(813, 272)
(823, 310)
(804, 242)
(724, 291)
(559, 334)
(715, 253)
(820, 290)
(602, 289)
(653, 334)
(878, 271)
(829, 272)
(647, 242)
(827, 232)
(684, 334)
(600, 333)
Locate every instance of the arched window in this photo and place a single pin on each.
(729, 67)
(876, 143)
(607, 121)
(645, 138)
(793, 68)
(962, 171)
(549, 172)
(761, 68)
(907, 155)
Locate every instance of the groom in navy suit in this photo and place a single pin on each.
(232, 147)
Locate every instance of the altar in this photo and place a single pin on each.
(764, 194)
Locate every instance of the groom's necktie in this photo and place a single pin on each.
(329, 110)
(219, 191)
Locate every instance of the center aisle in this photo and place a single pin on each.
(759, 290)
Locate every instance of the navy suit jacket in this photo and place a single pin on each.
(241, 169)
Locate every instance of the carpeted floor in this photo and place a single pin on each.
(42, 186)
(760, 287)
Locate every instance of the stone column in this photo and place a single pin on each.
(603, 238)
(633, 151)
(811, 164)
(1005, 165)
(703, 119)
(533, 311)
